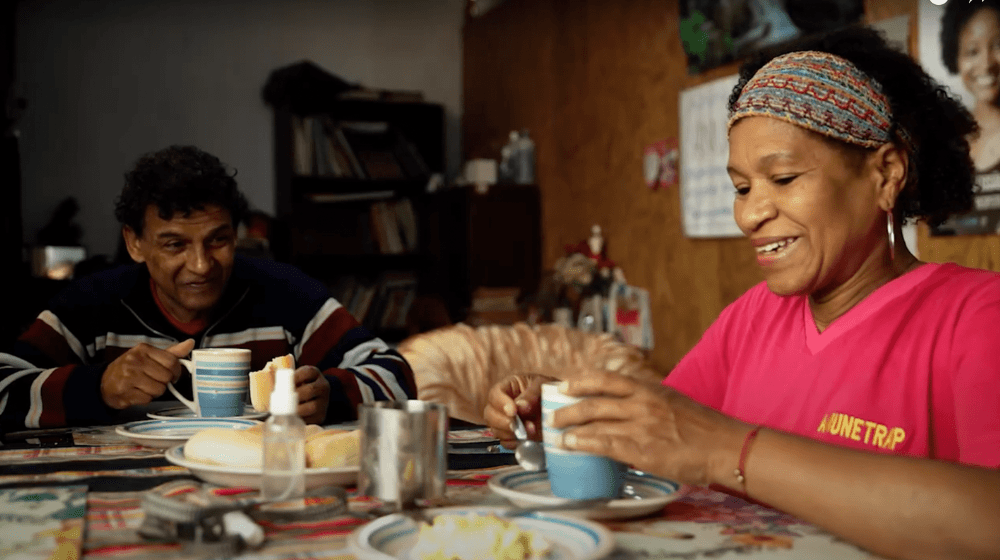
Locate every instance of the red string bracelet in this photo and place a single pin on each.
(740, 471)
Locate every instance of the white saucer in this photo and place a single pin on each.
(250, 476)
(185, 412)
(167, 433)
(530, 488)
(393, 536)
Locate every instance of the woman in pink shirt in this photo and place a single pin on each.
(857, 387)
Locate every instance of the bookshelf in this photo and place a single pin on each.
(350, 186)
(464, 240)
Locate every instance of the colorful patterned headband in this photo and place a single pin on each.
(821, 92)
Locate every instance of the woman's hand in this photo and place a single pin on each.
(652, 428)
(512, 396)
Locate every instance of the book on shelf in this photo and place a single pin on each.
(302, 148)
(337, 153)
(325, 147)
(395, 295)
(361, 301)
(406, 219)
(385, 227)
(344, 148)
(372, 143)
(322, 164)
(409, 157)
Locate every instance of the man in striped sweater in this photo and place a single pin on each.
(113, 340)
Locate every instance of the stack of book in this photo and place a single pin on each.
(394, 226)
(380, 305)
(358, 150)
(496, 306)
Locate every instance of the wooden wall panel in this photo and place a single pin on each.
(595, 82)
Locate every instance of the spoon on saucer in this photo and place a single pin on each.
(529, 453)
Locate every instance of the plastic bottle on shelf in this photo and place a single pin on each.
(525, 156)
(508, 159)
(283, 471)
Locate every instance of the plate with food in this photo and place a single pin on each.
(233, 457)
(642, 494)
(481, 532)
(174, 413)
(168, 433)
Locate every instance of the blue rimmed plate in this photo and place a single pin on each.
(391, 537)
(185, 412)
(168, 433)
(645, 494)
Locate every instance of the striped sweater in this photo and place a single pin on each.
(53, 374)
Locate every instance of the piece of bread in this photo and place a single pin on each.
(245, 447)
(262, 382)
(227, 446)
(334, 448)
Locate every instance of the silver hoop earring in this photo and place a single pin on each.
(892, 237)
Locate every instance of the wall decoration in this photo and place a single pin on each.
(717, 32)
(706, 190)
(659, 164)
(954, 41)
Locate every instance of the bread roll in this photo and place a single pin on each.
(227, 446)
(262, 382)
(334, 448)
(245, 447)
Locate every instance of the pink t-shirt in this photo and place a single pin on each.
(913, 369)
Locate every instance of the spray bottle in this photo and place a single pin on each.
(284, 465)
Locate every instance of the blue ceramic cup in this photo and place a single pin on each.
(573, 474)
(220, 379)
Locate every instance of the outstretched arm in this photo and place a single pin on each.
(897, 506)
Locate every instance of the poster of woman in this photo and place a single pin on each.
(960, 47)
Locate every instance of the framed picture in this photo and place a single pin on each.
(717, 32)
(957, 48)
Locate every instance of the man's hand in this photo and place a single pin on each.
(141, 374)
(314, 394)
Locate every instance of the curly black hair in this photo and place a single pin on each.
(178, 179)
(941, 176)
(956, 15)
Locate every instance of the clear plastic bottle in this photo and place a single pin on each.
(284, 467)
(525, 153)
(508, 159)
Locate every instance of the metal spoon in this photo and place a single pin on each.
(529, 454)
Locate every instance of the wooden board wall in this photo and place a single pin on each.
(595, 82)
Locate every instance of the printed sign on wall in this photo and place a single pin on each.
(706, 191)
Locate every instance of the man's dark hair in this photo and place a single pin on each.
(956, 15)
(178, 179)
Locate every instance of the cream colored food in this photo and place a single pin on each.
(262, 382)
(244, 447)
(471, 535)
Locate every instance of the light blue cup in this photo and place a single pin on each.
(573, 474)
(220, 380)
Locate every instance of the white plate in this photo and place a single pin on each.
(531, 488)
(167, 433)
(250, 477)
(393, 536)
(185, 412)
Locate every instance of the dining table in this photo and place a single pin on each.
(99, 479)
